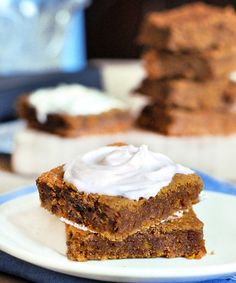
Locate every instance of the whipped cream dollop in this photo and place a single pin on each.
(72, 100)
(128, 171)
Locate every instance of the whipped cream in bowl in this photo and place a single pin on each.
(73, 100)
(128, 171)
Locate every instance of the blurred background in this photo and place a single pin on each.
(121, 21)
(46, 42)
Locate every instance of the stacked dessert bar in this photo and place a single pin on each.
(73, 110)
(68, 119)
(191, 52)
(122, 201)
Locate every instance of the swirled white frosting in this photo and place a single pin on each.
(72, 100)
(129, 171)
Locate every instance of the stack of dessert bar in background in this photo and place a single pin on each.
(191, 52)
(126, 215)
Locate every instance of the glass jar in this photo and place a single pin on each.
(34, 34)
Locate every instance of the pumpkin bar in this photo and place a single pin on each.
(217, 94)
(115, 217)
(176, 121)
(205, 65)
(73, 111)
(178, 237)
(195, 26)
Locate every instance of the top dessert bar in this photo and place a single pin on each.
(71, 111)
(116, 216)
(196, 26)
(73, 126)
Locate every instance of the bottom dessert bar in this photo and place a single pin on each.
(178, 237)
(215, 94)
(181, 122)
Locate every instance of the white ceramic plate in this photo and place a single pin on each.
(30, 233)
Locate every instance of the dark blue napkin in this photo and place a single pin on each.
(27, 271)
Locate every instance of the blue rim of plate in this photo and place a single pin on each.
(210, 184)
